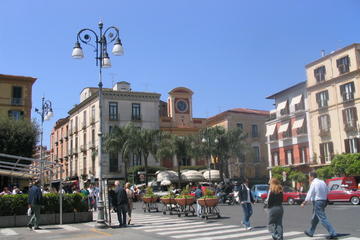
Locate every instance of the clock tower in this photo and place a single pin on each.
(180, 106)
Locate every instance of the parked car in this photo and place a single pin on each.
(257, 190)
(290, 196)
(340, 193)
(349, 183)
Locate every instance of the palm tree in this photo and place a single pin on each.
(175, 146)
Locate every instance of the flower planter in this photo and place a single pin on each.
(185, 201)
(149, 199)
(208, 202)
(168, 200)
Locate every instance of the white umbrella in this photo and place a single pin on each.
(214, 174)
(167, 175)
(165, 182)
(192, 176)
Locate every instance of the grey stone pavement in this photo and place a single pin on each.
(155, 225)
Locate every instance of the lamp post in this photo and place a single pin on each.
(45, 113)
(101, 40)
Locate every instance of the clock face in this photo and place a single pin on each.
(181, 105)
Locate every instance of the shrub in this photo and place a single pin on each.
(208, 193)
(17, 204)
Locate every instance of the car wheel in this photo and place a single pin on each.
(291, 201)
(355, 200)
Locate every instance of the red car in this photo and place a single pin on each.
(338, 193)
(290, 196)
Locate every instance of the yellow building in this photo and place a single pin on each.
(16, 96)
(334, 99)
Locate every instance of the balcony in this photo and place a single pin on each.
(83, 148)
(324, 132)
(17, 101)
(350, 126)
(83, 125)
(91, 145)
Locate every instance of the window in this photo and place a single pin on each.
(92, 118)
(84, 171)
(275, 158)
(289, 157)
(242, 158)
(16, 96)
(301, 104)
(186, 161)
(136, 111)
(16, 115)
(285, 109)
(303, 155)
(93, 136)
(114, 163)
(254, 130)
(343, 64)
(113, 111)
(352, 145)
(84, 119)
(326, 152)
(319, 74)
(240, 125)
(322, 99)
(76, 124)
(256, 154)
(350, 117)
(324, 122)
(93, 164)
(347, 91)
(110, 129)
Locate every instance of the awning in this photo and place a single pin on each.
(281, 106)
(273, 111)
(270, 129)
(296, 100)
(192, 176)
(165, 182)
(167, 175)
(298, 123)
(214, 174)
(284, 127)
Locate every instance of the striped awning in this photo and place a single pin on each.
(298, 123)
(270, 129)
(296, 100)
(281, 106)
(284, 127)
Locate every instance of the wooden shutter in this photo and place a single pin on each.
(347, 146)
(352, 87)
(354, 111)
(319, 120)
(328, 120)
(357, 142)
(318, 97)
(327, 95)
(331, 149)
(322, 157)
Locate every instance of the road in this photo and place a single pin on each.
(151, 226)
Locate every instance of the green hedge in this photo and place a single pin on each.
(17, 204)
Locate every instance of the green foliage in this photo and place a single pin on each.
(346, 164)
(298, 176)
(277, 172)
(18, 137)
(185, 193)
(17, 204)
(196, 168)
(325, 172)
(151, 169)
(149, 193)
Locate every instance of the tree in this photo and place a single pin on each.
(298, 176)
(346, 164)
(325, 172)
(277, 172)
(18, 137)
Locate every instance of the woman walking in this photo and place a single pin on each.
(130, 196)
(274, 202)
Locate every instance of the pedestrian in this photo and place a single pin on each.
(130, 196)
(34, 201)
(198, 194)
(5, 191)
(246, 199)
(121, 203)
(318, 195)
(276, 211)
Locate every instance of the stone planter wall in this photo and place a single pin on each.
(46, 219)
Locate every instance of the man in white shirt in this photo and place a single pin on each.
(318, 195)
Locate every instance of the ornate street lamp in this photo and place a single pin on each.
(99, 42)
(45, 113)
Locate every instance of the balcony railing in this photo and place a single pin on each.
(136, 118)
(324, 132)
(350, 126)
(92, 120)
(17, 101)
(348, 96)
(83, 125)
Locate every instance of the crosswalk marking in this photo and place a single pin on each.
(91, 224)
(202, 229)
(242, 234)
(163, 225)
(152, 221)
(8, 232)
(269, 237)
(68, 227)
(155, 229)
(41, 231)
(213, 233)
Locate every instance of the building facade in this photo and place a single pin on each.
(176, 117)
(252, 164)
(287, 131)
(334, 100)
(120, 106)
(16, 96)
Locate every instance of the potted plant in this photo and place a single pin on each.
(149, 196)
(169, 198)
(209, 199)
(185, 198)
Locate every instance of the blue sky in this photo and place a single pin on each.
(231, 53)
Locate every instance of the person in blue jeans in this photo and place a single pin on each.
(318, 195)
(246, 199)
(198, 194)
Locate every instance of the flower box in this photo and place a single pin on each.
(149, 199)
(185, 201)
(208, 202)
(168, 200)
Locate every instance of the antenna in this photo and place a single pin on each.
(113, 75)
